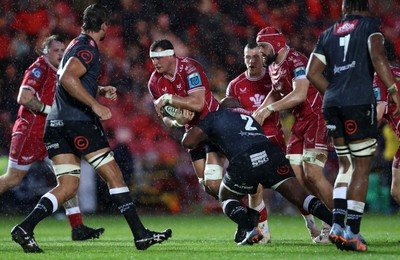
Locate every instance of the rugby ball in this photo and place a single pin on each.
(169, 111)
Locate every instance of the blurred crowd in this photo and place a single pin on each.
(213, 32)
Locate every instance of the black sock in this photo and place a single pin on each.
(339, 211)
(127, 208)
(354, 220)
(239, 214)
(43, 209)
(318, 209)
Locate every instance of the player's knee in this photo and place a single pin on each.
(101, 159)
(314, 158)
(67, 169)
(363, 149)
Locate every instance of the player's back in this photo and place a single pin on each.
(232, 131)
(345, 46)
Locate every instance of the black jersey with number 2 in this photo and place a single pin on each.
(232, 131)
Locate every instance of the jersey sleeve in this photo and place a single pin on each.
(87, 55)
(34, 78)
(298, 66)
(379, 89)
(229, 90)
(196, 78)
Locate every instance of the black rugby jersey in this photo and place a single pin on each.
(232, 131)
(345, 47)
(66, 107)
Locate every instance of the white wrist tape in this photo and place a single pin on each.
(166, 99)
(392, 88)
(176, 124)
(270, 108)
(45, 109)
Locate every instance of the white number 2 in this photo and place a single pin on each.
(249, 122)
(344, 41)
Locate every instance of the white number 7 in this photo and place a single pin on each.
(344, 41)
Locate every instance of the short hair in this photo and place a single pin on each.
(164, 44)
(356, 5)
(94, 16)
(47, 42)
(251, 45)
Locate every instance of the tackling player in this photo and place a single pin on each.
(253, 160)
(35, 97)
(307, 145)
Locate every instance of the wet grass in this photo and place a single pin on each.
(198, 237)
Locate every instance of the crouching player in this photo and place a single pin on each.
(253, 160)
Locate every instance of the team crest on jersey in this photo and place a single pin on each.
(194, 80)
(300, 71)
(36, 73)
(26, 158)
(257, 100)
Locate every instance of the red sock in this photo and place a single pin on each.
(263, 214)
(303, 211)
(75, 220)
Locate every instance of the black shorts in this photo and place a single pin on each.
(201, 151)
(264, 164)
(76, 137)
(352, 122)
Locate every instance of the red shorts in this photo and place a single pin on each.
(25, 150)
(308, 134)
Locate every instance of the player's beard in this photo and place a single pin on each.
(269, 59)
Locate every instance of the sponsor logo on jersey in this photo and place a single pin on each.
(56, 123)
(53, 146)
(377, 93)
(331, 127)
(36, 73)
(179, 86)
(257, 100)
(258, 159)
(300, 71)
(243, 90)
(346, 27)
(344, 67)
(194, 80)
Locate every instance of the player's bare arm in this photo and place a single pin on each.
(192, 138)
(70, 80)
(315, 68)
(27, 99)
(381, 66)
(265, 110)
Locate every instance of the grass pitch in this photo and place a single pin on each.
(198, 237)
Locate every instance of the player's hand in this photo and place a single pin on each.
(108, 92)
(261, 114)
(184, 116)
(396, 100)
(160, 102)
(103, 112)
